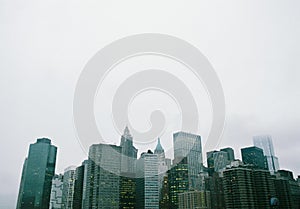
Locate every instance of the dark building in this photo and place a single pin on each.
(229, 152)
(246, 187)
(214, 184)
(288, 190)
(178, 181)
(79, 183)
(254, 156)
(127, 191)
(164, 202)
(38, 171)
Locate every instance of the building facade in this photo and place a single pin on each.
(194, 200)
(103, 177)
(68, 188)
(265, 143)
(37, 175)
(56, 192)
(187, 145)
(254, 156)
(147, 192)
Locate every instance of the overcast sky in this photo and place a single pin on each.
(254, 47)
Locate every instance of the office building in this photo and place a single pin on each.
(37, 175)
(68, 187)
(194, 200)
(178, 181)
(56, 192)
(147, 192)
(187, 145)
(229, 152)
(247, 187)
(265, 143)
(79, 184)
(128, 169)
(254, 156)
(103, 177)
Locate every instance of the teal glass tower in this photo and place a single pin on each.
(38, 171)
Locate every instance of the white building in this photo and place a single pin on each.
(56, 192)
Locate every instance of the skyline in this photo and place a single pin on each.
(107, 159)
(253, 47)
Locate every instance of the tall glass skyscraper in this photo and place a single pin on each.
(38, 171)
(103, 177)
(265, 143)
(147, 181)
(189, 145)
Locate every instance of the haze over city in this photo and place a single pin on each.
(252, 46)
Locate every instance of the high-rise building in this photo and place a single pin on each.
(127, 191)
(79, 183)
(229, 152)
(68, 187)
(288, 190)
(218, 160)
(128, 169)
(187, 145)
(147, 192)
(194, 199)
(103, 177)
(56, 192)
(254, 156)
(214, 184)
(162, 164)
(178, 181)
(265, 143)
(37, 175)
(129, 153)
(247, 187)
(164, 201)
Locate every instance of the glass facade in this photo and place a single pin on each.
(38, 171)
(189, 145)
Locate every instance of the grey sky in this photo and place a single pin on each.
(254, 47)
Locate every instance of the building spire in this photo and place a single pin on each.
(126, 133)
(159, 149)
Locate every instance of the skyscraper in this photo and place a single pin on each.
(68, 187)
(147, 181)
(189, 145)
(247, 187)
(56, 192)
(38, 171)
(79, 184)
(162, 164)
(178, 181)
(128, 168)
(230, 153)
(265, 143)
(103, 177)
(254, 156)
(129, 153)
